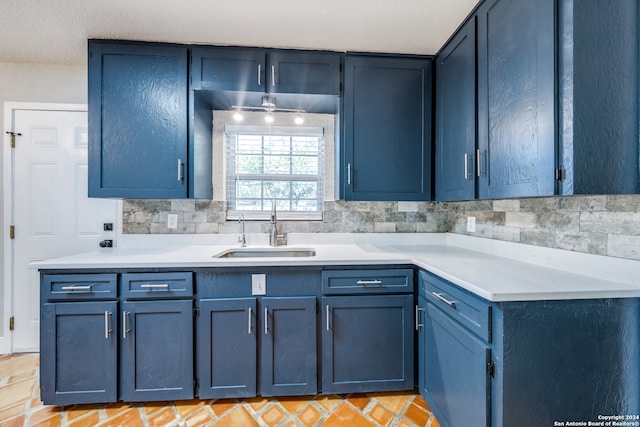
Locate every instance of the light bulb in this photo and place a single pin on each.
(268, 118)
(238, 116)
(299, 120)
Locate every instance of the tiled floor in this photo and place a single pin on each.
(20, 406)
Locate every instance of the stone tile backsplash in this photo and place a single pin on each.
(603, 225)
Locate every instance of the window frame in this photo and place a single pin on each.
(232, 177)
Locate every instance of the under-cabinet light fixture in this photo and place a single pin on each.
(269, 106)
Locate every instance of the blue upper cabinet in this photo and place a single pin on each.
(137, 120)
(310, 73)
(516, 103)
(387, 128)
(265, 70)
(456, 117)
(598, 92)
(232, 69)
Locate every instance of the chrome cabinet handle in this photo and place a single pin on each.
(451, 304)
(369, 282)
(348, 173)
(273, 75)
(327, 310)
(155, 286)
(107, 323)
(259, 74)
(466, 166)
(418, 324)
(180, 169)
(478, 162)
(77, 288)
(249, 322)
(124, 324)
(266, 321)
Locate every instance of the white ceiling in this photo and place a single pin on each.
(56, 31)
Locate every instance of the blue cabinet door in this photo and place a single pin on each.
(78, 357)
(309, 73)
(455, 127)
(288, 349)
(228, 69)
(227, 348)
(367, 343)
(457, 385)
(516, 103)
(387, 128)
(156, 358)
(137, 120)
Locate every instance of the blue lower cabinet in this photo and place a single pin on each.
(289, 346)
(367, 343)
(78, 358)
(156, 350)
(456, 381)
(422, 343)
(227, 348)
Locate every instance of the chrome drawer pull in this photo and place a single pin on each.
(369, 282)
(451, 304)
(155, 286)
(77, 288)
(249, 327)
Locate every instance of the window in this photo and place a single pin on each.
(278, 163)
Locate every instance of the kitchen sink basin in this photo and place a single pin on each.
(266, 252)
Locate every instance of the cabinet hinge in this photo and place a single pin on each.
(196, 385)
(559, 173)
(12, 232)
(12, 323)
(491, 369)
(196, 312)
(12, 138)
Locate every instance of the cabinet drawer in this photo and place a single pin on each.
(156, 285)
(471, 311)
(367, 281)
(79, 286)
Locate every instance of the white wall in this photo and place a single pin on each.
(34, 83)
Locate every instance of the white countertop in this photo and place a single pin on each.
(494, 270)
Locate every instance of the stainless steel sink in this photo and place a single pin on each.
(266, 252)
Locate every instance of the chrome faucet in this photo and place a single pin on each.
(242, 238)
(275, 239)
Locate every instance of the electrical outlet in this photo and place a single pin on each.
(471, 224)
(172, 221)
(107, 226)
(258, 284)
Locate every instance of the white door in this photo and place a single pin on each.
(51, 212)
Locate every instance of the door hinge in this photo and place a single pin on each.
(12, 138)
(12, 323)
(559, 173)
(12, 232)
(491, 369)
